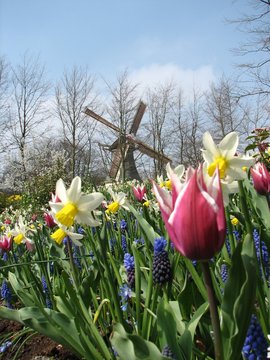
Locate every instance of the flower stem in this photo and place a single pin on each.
(72, 265)
(213, 310)
(244, 206)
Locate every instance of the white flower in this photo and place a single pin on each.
(119, 200)
(230, 167)
(179, 170)
(20, 232)
(74, 205)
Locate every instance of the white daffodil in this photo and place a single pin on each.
(20, 231)
(179, 170)
(227, 188)
(62, 232)
(118, 200)
(74, 205)
(231, 167)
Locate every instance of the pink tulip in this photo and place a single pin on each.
(49, 220)
(261, 178)
(139, 192)
(194, 214)
(5, 243)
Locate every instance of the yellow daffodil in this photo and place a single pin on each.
(62, 232)
(118, 200)
(234, 221)
(74, 206)
(20, 231)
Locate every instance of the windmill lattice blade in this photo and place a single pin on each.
(146, 149)
(101, 119)
(116, 162)
(137, 118)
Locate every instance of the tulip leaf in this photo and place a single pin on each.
(238, 300)
(146, 227)
(167, 329)
(57, 326)
(260, 203)
(133, 347)
(20, 290)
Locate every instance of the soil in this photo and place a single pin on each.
(38, 347)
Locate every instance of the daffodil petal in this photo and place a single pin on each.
(86, 219)
(210, 145)
(74, 192)
(90, 201)
(60, 190)
(228, 145)
(56, 206)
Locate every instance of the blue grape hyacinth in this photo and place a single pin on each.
(162, 272)
(6, 294)
(255, 346)
(129, 265)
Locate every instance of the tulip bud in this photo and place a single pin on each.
(5, 243)
(139, 192)
(261, 178)
(194, 215)
(49, 220)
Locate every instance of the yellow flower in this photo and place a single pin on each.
(118, 201)
(146, 203)
(62, 232)
(234, 221)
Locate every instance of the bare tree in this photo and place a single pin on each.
(27, 111)
(124, 101)
(256, 49)
(160, 104)
(4, 93)
(4, 84)
(224, 110)
(76, 91)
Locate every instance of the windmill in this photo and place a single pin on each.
(124, 146)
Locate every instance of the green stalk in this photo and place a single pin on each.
(147, 305)
(213, 310)
(244, 207)
(230, 231)
(137, 288)
(72, 265)
(110, 279)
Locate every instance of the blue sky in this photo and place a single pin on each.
(153, 39)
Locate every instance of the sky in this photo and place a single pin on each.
(155, 40)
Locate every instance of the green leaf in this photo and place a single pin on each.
(187, 329)
(167, 329)
(49, 323)
(260, 204)
(238, 300)
(20, 290)
(133, 347)
(146, 227)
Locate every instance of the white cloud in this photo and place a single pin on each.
(187, 79)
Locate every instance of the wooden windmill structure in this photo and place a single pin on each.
(125, 145)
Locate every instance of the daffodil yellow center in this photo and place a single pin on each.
(234, 221)
(220, 163)
(18, 239)
(146, 203)
(67, 214)
(168, 184)
(113, 207)
(58, 236)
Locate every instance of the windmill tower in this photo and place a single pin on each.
(123, 148)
